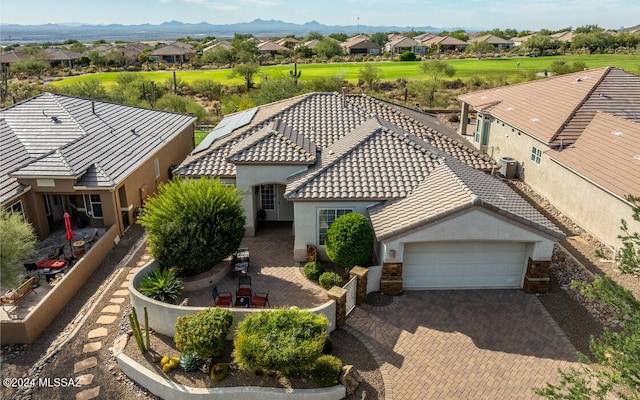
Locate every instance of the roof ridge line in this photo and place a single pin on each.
(475, 199)
(580, 104)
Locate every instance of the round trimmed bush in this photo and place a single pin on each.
(192, 224)
(313, 269)
(204, 332)
(326, 370)
(329, 279)
(349, 240)
(285, 340)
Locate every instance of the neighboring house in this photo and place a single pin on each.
(564, 37)
(497, 42)
(96, 160)
(9, 57)
(445, 43)
(57, 56)
(360, 44)
(223, 44)
(311, 44)
(270, 47)
(433, 204)
(519, 41)
(172, 53)
(288, 42)
(575, 139)
(398, 44)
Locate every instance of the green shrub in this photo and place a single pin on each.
(204, 332)
(286, 340)
(162, 285)
(192, 224)
(349, 240)
(407, 56)
(313, 269)
(329, 279)
(326, 370)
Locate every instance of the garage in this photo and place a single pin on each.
(464, 265)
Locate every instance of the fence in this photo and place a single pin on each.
(351, 287)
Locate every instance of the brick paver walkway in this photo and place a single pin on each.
(472, 344)
(271, 268)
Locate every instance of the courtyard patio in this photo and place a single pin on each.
(272, 269)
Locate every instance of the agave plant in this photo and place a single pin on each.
(161, 285)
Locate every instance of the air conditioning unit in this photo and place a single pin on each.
(508, 167)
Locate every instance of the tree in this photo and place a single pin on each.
(349, 240)
(245, 48)
(209, 88)
(176, 103)
(541, 43)
(17, 241)
(31, 66)
(407, 56)
(436, 69)
(370, 74)
(379, 38)
(561, 67)
(91, 89)
(328, 48)
(246, 71)
(218, 56)
(274, 88)
(192, 224)
(480, 48)
(595, 41)
(313, 35)
(340, 37)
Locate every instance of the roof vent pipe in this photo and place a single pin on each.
(93, 107)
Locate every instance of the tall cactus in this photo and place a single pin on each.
(135, 327)
(295, 74)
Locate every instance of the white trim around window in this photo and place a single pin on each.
(326, 216)
(536, 155)
(16, 208)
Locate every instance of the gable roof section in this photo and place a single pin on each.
(13, 155)
(114, 140)
(376, 161)
(275, 143)
(324, 118)
(539, 108)
(607, 153)
(451, 188)
(492, 39)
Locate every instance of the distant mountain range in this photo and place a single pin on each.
(12, 33)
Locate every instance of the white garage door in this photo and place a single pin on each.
(463, 265)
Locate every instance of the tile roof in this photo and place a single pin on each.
(452, 187)
(323, 118)
(607, 153)
(56, 54)
(275, 143)
(556, 110)
(376, 161)
(493, 39)
(65, 138)
(13, 153)
(271, 46)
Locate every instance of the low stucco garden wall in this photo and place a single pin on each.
(163, 316)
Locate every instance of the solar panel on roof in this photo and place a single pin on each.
(225, 127)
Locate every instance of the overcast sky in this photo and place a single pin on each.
(485, 14)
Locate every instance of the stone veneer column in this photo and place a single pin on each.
(361, 290)
(340, 296)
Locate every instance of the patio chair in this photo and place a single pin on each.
(260, 299)
(57, 253)
(240, 261)
(222, 299)
(244, 286)
(31, 270)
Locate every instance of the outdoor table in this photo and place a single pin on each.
(242, 302)
(49, 268)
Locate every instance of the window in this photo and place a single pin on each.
(267, 197)
(156, 165)
(326, 216)
(536, 155)
(482, 129)
(96, 206)
(16, 208)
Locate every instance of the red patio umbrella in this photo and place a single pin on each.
(69, 231)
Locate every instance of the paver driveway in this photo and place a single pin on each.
(471, 344)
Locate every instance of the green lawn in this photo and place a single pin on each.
(199, 135)
(390, 70)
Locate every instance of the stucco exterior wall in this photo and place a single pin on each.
(476, 224)
(594, 209)
(248, 176)
(306, 224)
(591, 207)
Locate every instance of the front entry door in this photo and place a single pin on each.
(268, 202)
